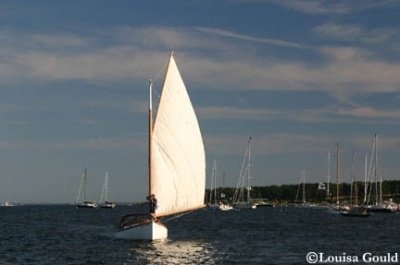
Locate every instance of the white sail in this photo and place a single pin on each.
(104, 191)
(178, 158)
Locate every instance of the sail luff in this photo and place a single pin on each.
(151, 209)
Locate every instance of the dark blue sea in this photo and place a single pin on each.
(61, 234)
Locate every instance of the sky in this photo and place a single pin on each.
(297, 76)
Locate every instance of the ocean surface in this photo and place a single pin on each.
(61, 234)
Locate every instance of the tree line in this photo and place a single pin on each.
(314, 193)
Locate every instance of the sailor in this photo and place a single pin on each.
(153, 203)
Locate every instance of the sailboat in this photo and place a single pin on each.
(379, 205)
(337, 207)
(213, 192)
(304, 203)
(213, 187)
(355, 210)
(103, 202)
(176, 162)
(240, 202)
(82, 190)
(7, 204)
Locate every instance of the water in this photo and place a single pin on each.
(65, 235)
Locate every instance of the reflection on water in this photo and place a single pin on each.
(172, 252)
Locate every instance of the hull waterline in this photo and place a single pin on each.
(153, 230)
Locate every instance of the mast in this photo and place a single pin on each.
(106, 188)
(365, 178)
(84, 186)
(353, 180)
(329, 173)
(375, 169)
(304, 186)
(337, 173)
(380, 192)
(150, 144)
(248, 175)
(371, 169)
(215, 181)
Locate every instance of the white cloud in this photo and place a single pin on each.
(368, 112)
(327, 114)
(243, 37)
(331, 7)
(354, 33)
(315, 6)
(138, 53)
(279, 143)
(130, 142)
(235, 113)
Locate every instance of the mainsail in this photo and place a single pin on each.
(177, 152)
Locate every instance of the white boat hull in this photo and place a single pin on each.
(148, 231)
(108, 205)
(87, 205)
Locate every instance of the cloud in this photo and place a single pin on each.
(315, 6)
(356, 33)
(217, 63)
(243, 37)
(328, 114)
(322, 7)
(210, 113)
(266, 144)
(368, 112)
(129, 142)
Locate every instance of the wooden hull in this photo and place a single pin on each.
(153, 230)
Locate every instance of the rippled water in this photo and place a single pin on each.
(64, 235)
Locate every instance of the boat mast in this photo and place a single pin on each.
(329, 173)
(337, 174)
(353, 180)
(304, 186)
(365, 178)
(106, 188)
(375, 169)
(150, 139)
(248, 175)
(215, 181)
(381, 190)
(84, 186)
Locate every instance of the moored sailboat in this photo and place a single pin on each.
(239, 199)
(176, 161)
(379, 205)
(82, 190)
(103, 202)
(354, 210)
(213, 204)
